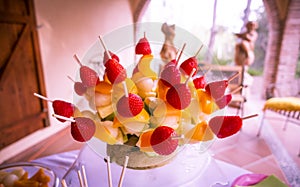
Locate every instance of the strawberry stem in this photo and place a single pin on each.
(77, 60)
(42, 97)
(190, 76)
(196, 54)
(179, 56)
(233, 76)
(123, 171)
(125, 89)
(251, 116)
(104, 46)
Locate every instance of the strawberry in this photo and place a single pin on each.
(63, 108)
(88, 76)
(170, 75)
(216, 89)
(116, 73)
(223, 101)
(199, 82)
(112, 55)
(130, 106)
(83, 129)
(79, 88)
(162, 142)
(171, 63)
(179, 96)
(188, 65)
(224, 126)
(143, 47)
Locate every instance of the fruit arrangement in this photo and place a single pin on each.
(18, 177)
(156, 112)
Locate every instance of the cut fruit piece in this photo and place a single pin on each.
(105, 111)
(201, 132)
(144, 141)
(102, 99)
(144, 66)
(103, 87)
(106, 133)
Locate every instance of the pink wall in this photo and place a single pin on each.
(69, 27)
(66, 27)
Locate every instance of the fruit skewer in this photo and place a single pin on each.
(88, 76)
(225, 126)
(60, 107)
(79, 88)
(189, 64)
(82, 128)
(115, 72)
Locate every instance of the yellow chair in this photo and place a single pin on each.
(286, 106)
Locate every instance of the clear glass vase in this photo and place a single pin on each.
(185, 169)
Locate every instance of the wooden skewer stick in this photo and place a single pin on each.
(63, 118)
(104, 46)
(178, 137)
(236, 90)
(69, 77)
(42, 97)
(80, 178)
(144, 34)
(63, 183)
(108, 171)
(233, 76)
(125, 89)
(77, 60)
(123, 171)
(251, 116)
(197, 53)
(179, 56)
(84, 176)
(190, 76)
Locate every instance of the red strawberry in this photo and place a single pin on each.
(116, 73)
(199, 82)
(79, 88)
(88, 76)
(143, 47)
(112, 55)
(224, 126)
(63, 108)
(130, 106)
(162, 142)
(179, 96)
(188, 65)
(83, 129)
(170, 75)
(216, 89)
(171, 63)
(223, 101)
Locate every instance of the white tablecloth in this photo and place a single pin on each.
(199, 170)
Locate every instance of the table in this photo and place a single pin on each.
(200, 169)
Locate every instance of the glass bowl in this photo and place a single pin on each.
(31, 169)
